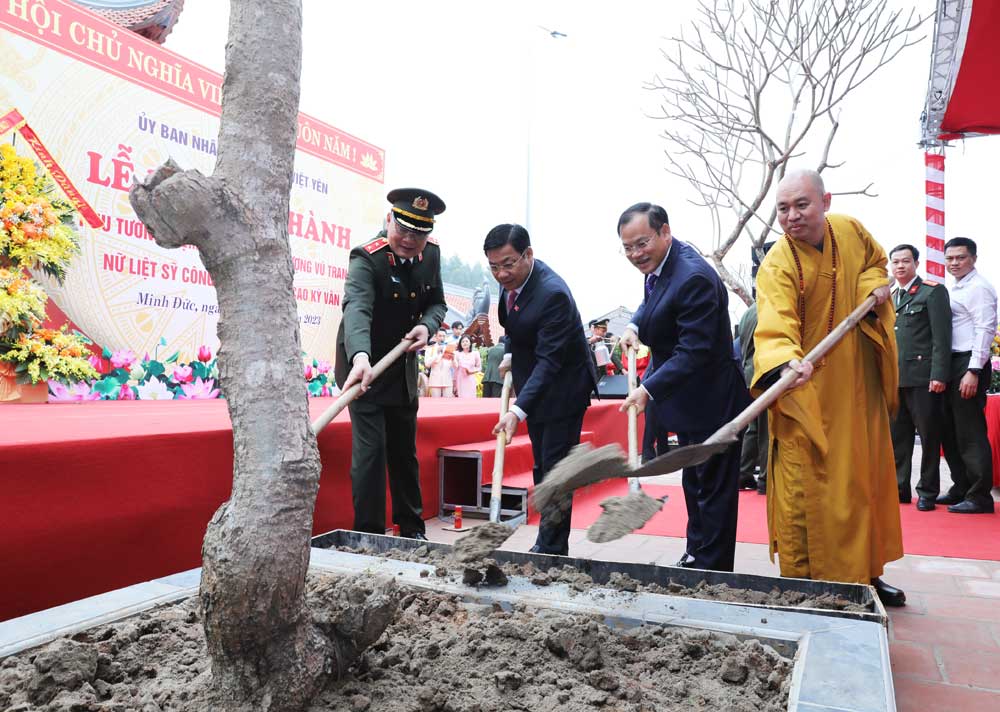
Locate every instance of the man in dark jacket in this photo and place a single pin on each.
(694, 383)
(549, 358)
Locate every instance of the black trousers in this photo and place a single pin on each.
(492, 390)
(966, 444)
(385, 436)
(712, 500)
(551, 441)
(753, 452)
(655, 440)
(923, 412)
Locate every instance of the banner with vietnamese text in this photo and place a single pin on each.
(110, 106)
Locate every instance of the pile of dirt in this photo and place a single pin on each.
(490, 573)
(436, 654)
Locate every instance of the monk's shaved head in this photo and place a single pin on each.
(807, 174)
(802, 202)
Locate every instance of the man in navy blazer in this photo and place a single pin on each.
(694, 383)
(550, 362)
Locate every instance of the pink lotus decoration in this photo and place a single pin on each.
(307, 371)
(67, 394)
(183, 374)
(123, 359)
(323, 366)
(99, 364)
(204, 354)
(199, 390)
(126, 393)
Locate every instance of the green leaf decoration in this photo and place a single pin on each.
(173, 357)
(107, 386)
(154, 368)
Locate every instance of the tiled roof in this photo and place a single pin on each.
(153, 19)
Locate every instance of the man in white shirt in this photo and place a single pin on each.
(973, 324)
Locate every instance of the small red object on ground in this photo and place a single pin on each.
(458, 516)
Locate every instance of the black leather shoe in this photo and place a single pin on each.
(762, 485)
(970, 507)
(925, 504)
(905, 498)
(419, 536)
(948, 498)
(686, 561)
(747, 482)
(889, 595)
(535, 550)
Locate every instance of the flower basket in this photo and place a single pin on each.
(13, 392)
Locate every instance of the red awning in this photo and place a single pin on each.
(964, 94)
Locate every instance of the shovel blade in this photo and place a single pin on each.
(582, 466)
(679, 458)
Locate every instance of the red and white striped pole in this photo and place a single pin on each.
(934, 187)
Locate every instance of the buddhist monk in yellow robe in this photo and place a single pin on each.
(832, 501)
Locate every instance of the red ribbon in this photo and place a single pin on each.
(13, 120)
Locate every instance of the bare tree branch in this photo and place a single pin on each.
(749, 86)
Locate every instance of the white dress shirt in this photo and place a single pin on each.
(659, 268)
(656, 271)
(900, 291)
(521, 415)
(973, 317)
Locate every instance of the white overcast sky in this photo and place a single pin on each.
(460, 94)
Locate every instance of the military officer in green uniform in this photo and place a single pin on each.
(923, 337)
(393, 292)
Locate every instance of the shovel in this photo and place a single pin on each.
(354, 391)
(621, 513)
(633, 422)
(496, 489)
(484, 539)
(584, 466)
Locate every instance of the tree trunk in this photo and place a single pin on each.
(267, 651)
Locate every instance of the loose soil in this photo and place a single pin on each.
(485, 573)
(437, 654)
(623, 515)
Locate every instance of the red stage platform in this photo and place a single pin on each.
(101, 495)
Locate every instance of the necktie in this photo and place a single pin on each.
(511, 298)
(651, 283)
(899, 295)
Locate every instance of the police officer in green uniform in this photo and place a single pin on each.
(393, 291)
(923, 337)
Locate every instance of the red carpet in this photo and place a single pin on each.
(937, 533)
(96, 496)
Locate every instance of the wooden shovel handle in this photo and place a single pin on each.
(354, 391)
(496, 488)
(633, 411)
(730, 430)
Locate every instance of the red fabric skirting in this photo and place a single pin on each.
(101, 495)
(993, 430)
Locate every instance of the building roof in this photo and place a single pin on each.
(459, 301)
(153, 19)
(618, 318)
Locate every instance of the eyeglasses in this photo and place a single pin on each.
(505, 266)
(639, 245)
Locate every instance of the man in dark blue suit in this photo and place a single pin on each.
(549, 357)
(693, 384)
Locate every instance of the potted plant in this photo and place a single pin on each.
(36, 233)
